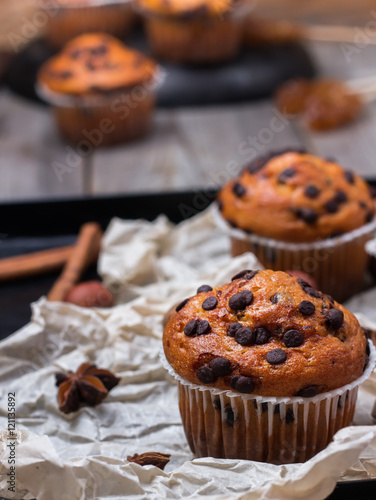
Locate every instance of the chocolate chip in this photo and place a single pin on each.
(205, 375)
(242, 384)
(190, 327)
(308, 215)
(334, 318)
(363, 205)
(220, 367)
(258, 163)
(293, 338)
(90, 66)
(276, 356)
(340, 196)
(240, 300)
(202, 327)
(286, 174)
(210, 303)
(275, 298)
(238, 189)
(349, 176)
(204, 288)
(308, 392)
(99, 51)
(290, 416)
(262, 335)
(331, 300)
(311, 191)
(217, 404)
(332, 206)
(233, 328)
(230, 417)
(247, 274)
(306, 308)
(307, 288)
(369, 216)
(245, 336)
(196, 327)
(181, 305)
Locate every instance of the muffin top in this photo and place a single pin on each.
(296, 197)
(265, 333)
(93, 63)
(187, 8)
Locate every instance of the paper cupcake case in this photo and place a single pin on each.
(69, 19)
(76, 114)
(225, 424)
(337, 264)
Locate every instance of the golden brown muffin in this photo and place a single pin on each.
(187, 8)
(296, 197)
(193, 31)
(102, 93)
(95, 63)
(265, 333)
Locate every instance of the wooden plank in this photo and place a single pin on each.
(192, 148)
(156, 163)
(34, 161)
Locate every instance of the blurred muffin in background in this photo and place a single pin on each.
(69, 18)
(193, 31)
(296, 211)
(102, 92)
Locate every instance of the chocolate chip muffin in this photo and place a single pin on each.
(70, 18)
(291, 357)
(102, 91)
(193, 31)
(299, 211)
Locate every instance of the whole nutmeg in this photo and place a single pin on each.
(90, 294)
(304, 276)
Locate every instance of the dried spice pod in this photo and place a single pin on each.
(159, 460)
(89, 385)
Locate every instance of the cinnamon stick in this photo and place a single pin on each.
(84, 253)
(24, 266)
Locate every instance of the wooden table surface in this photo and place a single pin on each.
(189, 148)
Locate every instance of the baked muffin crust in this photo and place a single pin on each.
(296, 197)
(265, 333)
(95, 63)
(186, 8)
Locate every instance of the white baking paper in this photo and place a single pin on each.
(150, 267)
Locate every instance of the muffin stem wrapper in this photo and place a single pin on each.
(225, 424)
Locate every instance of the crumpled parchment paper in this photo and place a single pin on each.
(150, 267)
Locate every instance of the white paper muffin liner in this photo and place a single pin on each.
(337, 264)
(226, 424)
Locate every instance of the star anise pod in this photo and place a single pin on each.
(151, 458)
(88, 385)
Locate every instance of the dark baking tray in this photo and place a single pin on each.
(27, 227)
(253, 74)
